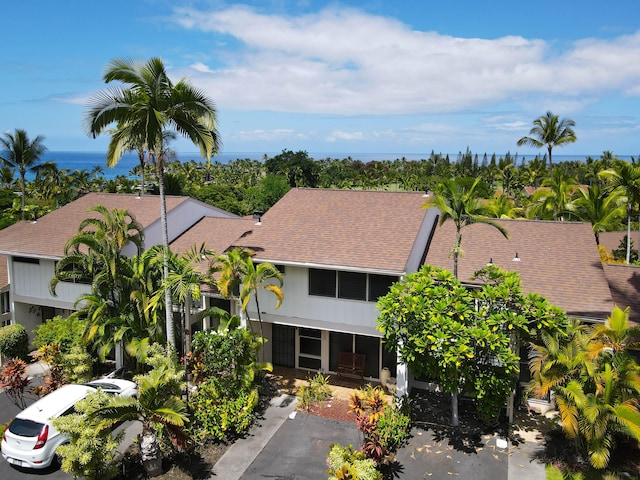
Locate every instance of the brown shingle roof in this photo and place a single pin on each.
(624, 283)
(48, 236)
(611, 240)
(349, 228)
(218, 234)
(559, 260)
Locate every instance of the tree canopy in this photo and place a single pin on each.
(464, 339)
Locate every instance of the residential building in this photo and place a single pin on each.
(31, 249)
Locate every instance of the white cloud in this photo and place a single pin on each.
(344, 61)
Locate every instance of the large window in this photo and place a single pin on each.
(322, 282)
(349, 285)
(352, 285)
(310, 356)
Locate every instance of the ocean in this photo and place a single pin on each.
(87, 160)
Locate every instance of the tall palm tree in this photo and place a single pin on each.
(22, 154)
(626, 178)
(462, 206)
(550, 131)
(146, 106)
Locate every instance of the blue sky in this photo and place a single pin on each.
(340, 77)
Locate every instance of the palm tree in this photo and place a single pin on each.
(549, 131)
(147, 106)
(462, 206)
(553, 201)
(600, 208)
(22, 154)
(159, 403)
(596, 382)
(257, 277)
(240, 277)
(626, 178)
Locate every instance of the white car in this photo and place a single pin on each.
(116, 386)
(31, 440)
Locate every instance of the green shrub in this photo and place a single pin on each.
(317, 390)
(221, 414)
(65, 332)
(77, 365)
(345, 463)
(92, 450)
(14, 342)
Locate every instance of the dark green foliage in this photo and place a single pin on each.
(226, 197)
(620, 253)
(14, 342)
(300, 169)
(65, 332)
(462, 339)
(223, 405)
(221, 413)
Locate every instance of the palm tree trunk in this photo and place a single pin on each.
(165, 254)
(549, 148)
(255, 293)
(455, 420)
(628, 235)
(24, 192)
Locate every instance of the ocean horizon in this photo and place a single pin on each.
(73, 160)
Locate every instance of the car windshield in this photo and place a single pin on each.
(25, 428)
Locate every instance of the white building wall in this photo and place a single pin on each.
(304, 310)
(30, 284)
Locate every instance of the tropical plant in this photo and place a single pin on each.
(550, 131)
(159, 406)
(596, 383)
(66, 332)
(92, 450)
(554, 200)
(460, 205)
(22, 154)
(238, 273)
(464, 339)
(316, 390)
(147, 106)
(114, 310)
(625, 178)
(345, 463)
(14, 381)
(602, 209)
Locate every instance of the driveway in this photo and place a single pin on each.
(298, 450)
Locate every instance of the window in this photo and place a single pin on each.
(35, 261)
(310, 349)
(379, 286)
(322, 282)
(5, 307)
(74, 268)
(352, 285)
(349, 285)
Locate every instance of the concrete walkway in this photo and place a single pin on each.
(237, 459)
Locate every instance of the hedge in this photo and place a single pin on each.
(14, 342)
